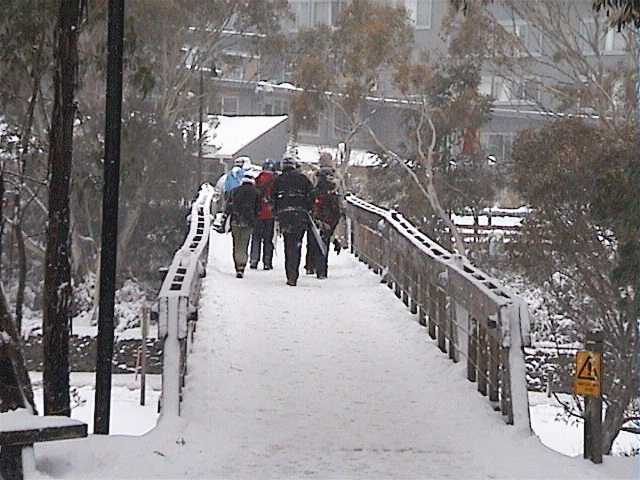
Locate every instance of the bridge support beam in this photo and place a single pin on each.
(494, 366)
(482, 359)
(472, 350)
(433, 311)
(442, 321)
(453, 331)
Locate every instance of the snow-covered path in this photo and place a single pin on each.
(330, 379)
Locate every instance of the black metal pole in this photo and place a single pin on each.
(108, 251)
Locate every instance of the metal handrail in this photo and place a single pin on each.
(178, 300)
(438, 284)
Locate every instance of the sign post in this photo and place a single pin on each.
(588, 383)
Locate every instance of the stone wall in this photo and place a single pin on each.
(83, 354)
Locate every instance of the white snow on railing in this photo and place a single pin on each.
(513, 310)
(178, 299)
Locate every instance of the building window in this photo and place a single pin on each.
(504, 90)
(336, 8)
(615, 42)
(529, 39)
(311, 13)
(525, 90)
(311, 127)
(275, 106)
(229, 105)
(496, 88)
(595, 40)
(590, 39)
(498, 145)
(419, 12)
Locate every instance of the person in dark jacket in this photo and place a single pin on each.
(292, 203)
(262, 237)
(326, 213)
(243, 207)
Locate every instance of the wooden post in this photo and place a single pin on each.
(144, 325)
(442, 321)
(453, 330)
(433, 311)
(413, 305)
(420, 300)
(482, 359)
(593, 405)
(586, 440)
(494, 366)
(472, 349)
(505, 386)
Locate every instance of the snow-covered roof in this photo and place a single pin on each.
(233, 133)
(358, 158)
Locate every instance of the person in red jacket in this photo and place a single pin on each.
(262, 237)
(326, 214)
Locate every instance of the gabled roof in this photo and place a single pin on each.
(225, 136)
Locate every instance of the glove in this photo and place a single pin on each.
(337, 246)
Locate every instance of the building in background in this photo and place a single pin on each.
(248, 83)
(229, 137)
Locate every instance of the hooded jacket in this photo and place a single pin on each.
(233, 180)
(243, 205)
(292, 200)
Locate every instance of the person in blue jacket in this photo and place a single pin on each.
(233, 181)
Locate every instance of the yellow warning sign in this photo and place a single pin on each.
(587, 379)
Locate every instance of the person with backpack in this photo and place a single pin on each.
(232, 181)
(292, 203)
(262, 237)
(225, 185)
(326, 214)
(243, 207)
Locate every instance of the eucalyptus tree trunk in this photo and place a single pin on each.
(57, 283)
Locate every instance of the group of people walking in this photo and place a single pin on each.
(254, 204)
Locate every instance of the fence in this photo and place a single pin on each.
(465, 310)
(178, 301)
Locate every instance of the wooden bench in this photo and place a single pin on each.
(20, 430)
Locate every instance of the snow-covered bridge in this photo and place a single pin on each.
(331, 379)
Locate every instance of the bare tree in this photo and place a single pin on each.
(422, 170)
(341, 70)
(556, 55)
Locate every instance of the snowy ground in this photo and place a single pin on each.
(564, 434)
(128, 417)
(331, 379)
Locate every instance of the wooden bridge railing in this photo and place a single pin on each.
(469, 314)
(178, 300)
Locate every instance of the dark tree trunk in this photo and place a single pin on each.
(7, 325)
(22, 275)
(57, 281)
(2, 220)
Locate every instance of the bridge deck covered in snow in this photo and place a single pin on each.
(330, 379)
